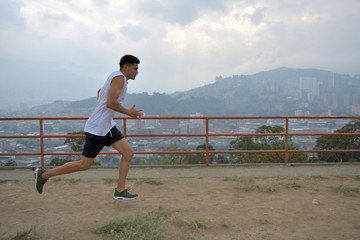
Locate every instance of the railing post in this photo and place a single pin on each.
(42, 142)
(124, 123)
(207, 141)
(286, 140)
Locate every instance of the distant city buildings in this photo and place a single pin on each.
(333, 92)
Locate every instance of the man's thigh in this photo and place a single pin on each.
(123, 147)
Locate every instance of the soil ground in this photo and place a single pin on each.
(242, 203)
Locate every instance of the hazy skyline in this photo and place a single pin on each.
(64, 50)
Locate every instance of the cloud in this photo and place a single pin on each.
(257, 16)
(180, 11)
(101, 3)
(56, 17)
(133, 32)
(9, 13)
(182, 44)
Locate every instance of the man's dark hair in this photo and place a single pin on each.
(128, 59)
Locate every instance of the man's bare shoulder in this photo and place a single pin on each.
(118, 81)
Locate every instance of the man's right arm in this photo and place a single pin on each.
(116, 86)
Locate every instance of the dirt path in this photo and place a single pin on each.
(288, 204)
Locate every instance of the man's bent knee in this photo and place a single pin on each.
(124, 148)
(84, 167)
(85, 163)
(128, 154)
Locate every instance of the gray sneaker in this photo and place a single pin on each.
(39, 180)
(124, 195)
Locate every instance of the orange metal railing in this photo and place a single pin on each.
(207, 135)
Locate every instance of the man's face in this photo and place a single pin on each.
(132, 71)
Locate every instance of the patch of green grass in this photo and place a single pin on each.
(313, 182)
(187, 177)
(234, 179)
(6, 181)
(341, 177)
(57, 179)
(152, 226)
(28, 234)
(194, 224)
(152, 181)
(224, 225)
(345, 190)
(198, 224)
(73, 180)
(239, 179)
(294, 185)
(271, 187)
(293, 178)
(356, 177)
(110, 180)
(263, 188)
(321, 177)
(263, 221)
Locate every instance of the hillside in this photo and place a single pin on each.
(272, 93)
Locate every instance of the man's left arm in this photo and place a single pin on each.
(98, 92)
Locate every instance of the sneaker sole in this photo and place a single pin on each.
(122, 198)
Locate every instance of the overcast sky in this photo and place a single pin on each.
(64, 50)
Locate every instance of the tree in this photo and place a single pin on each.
(76, 144)
(268, 141)
(200, 158)
(221, 159)
(340, 142)
(59, 161)
(174, 158)
(264, 143)
(10, 162)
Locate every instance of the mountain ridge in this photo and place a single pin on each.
(280, 91)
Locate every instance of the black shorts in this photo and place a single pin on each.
(94, 144)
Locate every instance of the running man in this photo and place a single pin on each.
(100, 130)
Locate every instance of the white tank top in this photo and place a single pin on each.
(101, 120)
